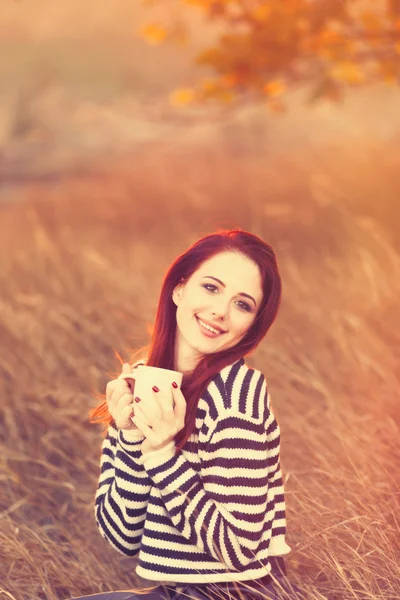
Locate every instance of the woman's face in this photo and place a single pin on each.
(220, 305)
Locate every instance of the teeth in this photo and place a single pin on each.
(207, 327)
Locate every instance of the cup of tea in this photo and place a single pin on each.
(146, 377)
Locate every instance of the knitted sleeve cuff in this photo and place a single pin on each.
(155, 458)
(131, 434)
(130, 440)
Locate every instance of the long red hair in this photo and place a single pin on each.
(159, 353)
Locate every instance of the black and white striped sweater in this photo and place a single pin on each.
(215, 511)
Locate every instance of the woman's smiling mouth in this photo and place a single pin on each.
(206, 330)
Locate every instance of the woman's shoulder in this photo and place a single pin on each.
(240, 372)
(243, 389)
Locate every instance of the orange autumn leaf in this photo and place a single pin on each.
(201, 3)
(213, 88)
(262, 12)
(229, 80)
(210, 86)
(226, 96)
(303, 24)
(370, 21)
(274, 88)
(153, 34)
(347, 72)
(329, 37)
(182, 96)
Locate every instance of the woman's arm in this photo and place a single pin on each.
(224, 510)
(123, 491)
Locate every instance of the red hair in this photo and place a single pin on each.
(159, 352)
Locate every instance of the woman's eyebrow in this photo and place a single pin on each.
(223, 285)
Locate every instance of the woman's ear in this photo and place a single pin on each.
(177, 291)
(176, 294)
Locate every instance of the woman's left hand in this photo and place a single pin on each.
(160, 427)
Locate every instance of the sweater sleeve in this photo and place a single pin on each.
(123, 491)
(222, 512)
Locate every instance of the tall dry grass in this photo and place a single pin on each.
(81, 265)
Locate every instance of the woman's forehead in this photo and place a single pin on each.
(225, 261)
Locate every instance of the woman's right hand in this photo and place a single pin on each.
(119, 398)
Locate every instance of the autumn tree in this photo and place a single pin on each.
(267, 48)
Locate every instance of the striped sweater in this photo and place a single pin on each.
(213, 512)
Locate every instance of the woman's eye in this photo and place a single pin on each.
(207, 285)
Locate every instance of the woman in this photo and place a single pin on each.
(196, 490)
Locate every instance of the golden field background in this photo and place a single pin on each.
(102, 184)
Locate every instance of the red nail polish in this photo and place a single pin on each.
(155, 388)
(174, 384)
(137, 399)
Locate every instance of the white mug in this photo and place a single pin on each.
(146, 377)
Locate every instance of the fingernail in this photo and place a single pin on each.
(137, 399)
(174, 384)
(131, 415)
(155, 388)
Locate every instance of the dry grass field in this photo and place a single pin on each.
(101, 187)
(82, 262)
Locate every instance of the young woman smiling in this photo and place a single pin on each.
(197, 493)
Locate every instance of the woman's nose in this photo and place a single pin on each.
(220, 311)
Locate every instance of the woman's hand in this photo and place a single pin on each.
(119, 398)
(161, 426)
